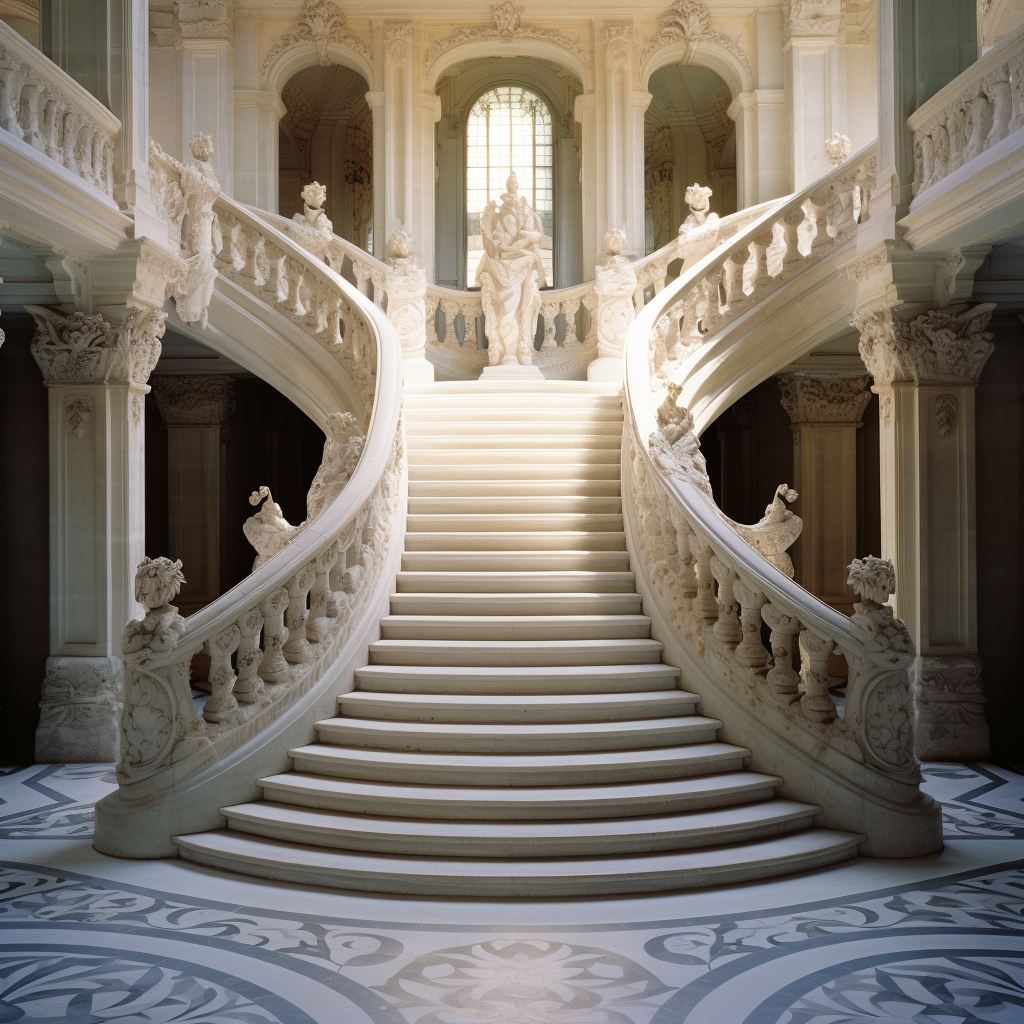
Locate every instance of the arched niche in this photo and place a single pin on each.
(326, 135)
(459, 90)
(737, 77)
(279, 70)
(688, 137)
(547, 51)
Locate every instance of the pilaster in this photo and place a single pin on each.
(95, 372)
(926, 370)
(195, 410)
(825, 412)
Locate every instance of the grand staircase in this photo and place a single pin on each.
(515, 732)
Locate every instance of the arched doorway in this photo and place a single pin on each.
(688, 137)
(326, 135)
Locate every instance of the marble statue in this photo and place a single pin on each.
(614, 285)
(201, 230)
(405, 286)
(510, 276)
(312, 228)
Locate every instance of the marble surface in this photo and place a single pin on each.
(88, 938)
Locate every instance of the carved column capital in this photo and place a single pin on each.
(200, 21)
(828, 398)
(947, 345)
(811, 18)
(87, 348)
(194, 401)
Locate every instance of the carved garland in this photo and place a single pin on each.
(506, 26)
(321, 24)
(690, 21)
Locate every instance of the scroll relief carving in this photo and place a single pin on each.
(948, 344)
(321, 24)
(506, 26)
(77, 412)
(87, 347)
(268, 530)
(689, 21)
(674, 446)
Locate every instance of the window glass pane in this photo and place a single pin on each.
(509, 129)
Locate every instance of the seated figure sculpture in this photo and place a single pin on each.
(510, 276)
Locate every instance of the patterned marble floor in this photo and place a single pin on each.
(87, 938)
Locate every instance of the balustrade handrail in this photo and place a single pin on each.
(42, 105)
(716, 592)
(981, 106)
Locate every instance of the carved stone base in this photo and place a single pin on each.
(949, 715)
(417, 371)
(80, 711)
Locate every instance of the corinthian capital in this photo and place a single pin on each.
(826, 398)
(199, 400)
(87, 348)
(948, 345)
(811, 17)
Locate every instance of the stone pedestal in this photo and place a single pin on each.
(195, 410)
(95, 372)
(926, 369)
(825, 412)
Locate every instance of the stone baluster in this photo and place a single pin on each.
(252, 256)
(750, 651)
(432, 336)
(714, 314)
(549, 312)
(734, 267)
(296, 648)
(220, 648)
(362, 273)
(52, 116)
(10, 94)
(29, 118)
(817, 210)
(782, 678)
(689, 328)
(792, 223)
(295, 277)
(273, 287)
(249, 687)
(687, 581)
(761, 277)
(815, 701)
(275, 634)
(727, 629)
(570, 307)
(229, 256)
(319, 620)
(451, 311)
(705, 605)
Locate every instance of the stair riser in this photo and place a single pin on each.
(540, 713)
(498, 809)
(525, 525)
(467, 415)
(512, 604)
(494, 426)
(561, 742)
(505, 847)
(525, 504)
(515, 561)
(526, 583)
(480, 775)
(579, 879)
(398, 679)
(510, 473)
(567, 458)
(498, 442)
(485, 657)
(569, 487)
(413, 627)
(516, 542)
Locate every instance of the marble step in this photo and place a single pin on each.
(571, 876)
(516, 604)
(502, 472)
(490, 426)
(562, 769)
(524, 456)
(523, 681)
(517, 627)
(522, 503)
(566, 487)
(514, 652)
(546, 582)
(521, 392)
(496, 540)
(502, 738)
(512, 709)
(524, 524)
(573, 838)
(496, 443)
(533, 803)
(462, 415)
(515, 561)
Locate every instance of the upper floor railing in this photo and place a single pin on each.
(716, 595)
(44, 107)
(978, 109)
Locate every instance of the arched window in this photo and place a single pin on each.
(509, 129)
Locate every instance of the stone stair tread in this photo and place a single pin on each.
(517, 627)
(516, 604)
(567, 876)
(524, 523)
(627, 799)
(508, 540)
(566, 486)
(522, 561)
(515, 652)
(537, 425)
(524, 503)
(539, 581)
(568, 457)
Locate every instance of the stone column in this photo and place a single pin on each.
(95, 372)
(816, 96)
(195, 410)
(926, 371)
(825, 412)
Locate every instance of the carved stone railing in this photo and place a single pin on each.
(270, 640)
(754, 644)
(567, 327)
(44, 107)
(978, 109)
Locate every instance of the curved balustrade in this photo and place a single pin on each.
(294, 623)
(978, 109)
(45, 108)
(755, 643)
(567, 337)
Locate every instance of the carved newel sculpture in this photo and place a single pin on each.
(510, 276)
(405, 286)
(614, 285)
(312, 229)
(201, 236)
